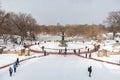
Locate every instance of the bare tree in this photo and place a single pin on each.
(92, 31)
(24, 23)
(4, 28)
(114, 21)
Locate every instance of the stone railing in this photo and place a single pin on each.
(106, 53)
(19, 52)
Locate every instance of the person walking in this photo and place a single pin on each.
(89, 55)
(43, 48)
(88, 50)
(79, 51)
(45, 53)
(86, 55)
(17, 62)
(65, 51)
(74, 51)
(90, 70)
(10, 71)
(14, 66)
(60, 51)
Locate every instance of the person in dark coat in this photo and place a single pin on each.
(86, 55)
(60, 51)
(43, 48)
(10, 71)
(79, 51)
(90, 55)
(65, 51)
(17, 62)
(88, 50)
(14, 66)
(45, 53)
(90, 70)
(74, 51)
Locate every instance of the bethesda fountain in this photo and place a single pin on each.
(61, 45)
(63, 42)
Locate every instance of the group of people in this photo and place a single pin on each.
(15, 65)
(65, 51)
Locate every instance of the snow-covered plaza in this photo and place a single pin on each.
(61, 67)
(58, 67)
(59, 39)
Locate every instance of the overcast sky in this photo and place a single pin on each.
(63, 11)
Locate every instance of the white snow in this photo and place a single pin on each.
(60, 67)
(10, 58)
(54, 46)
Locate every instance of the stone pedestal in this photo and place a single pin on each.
(23, 52)
(63, 42)
(102, 53)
